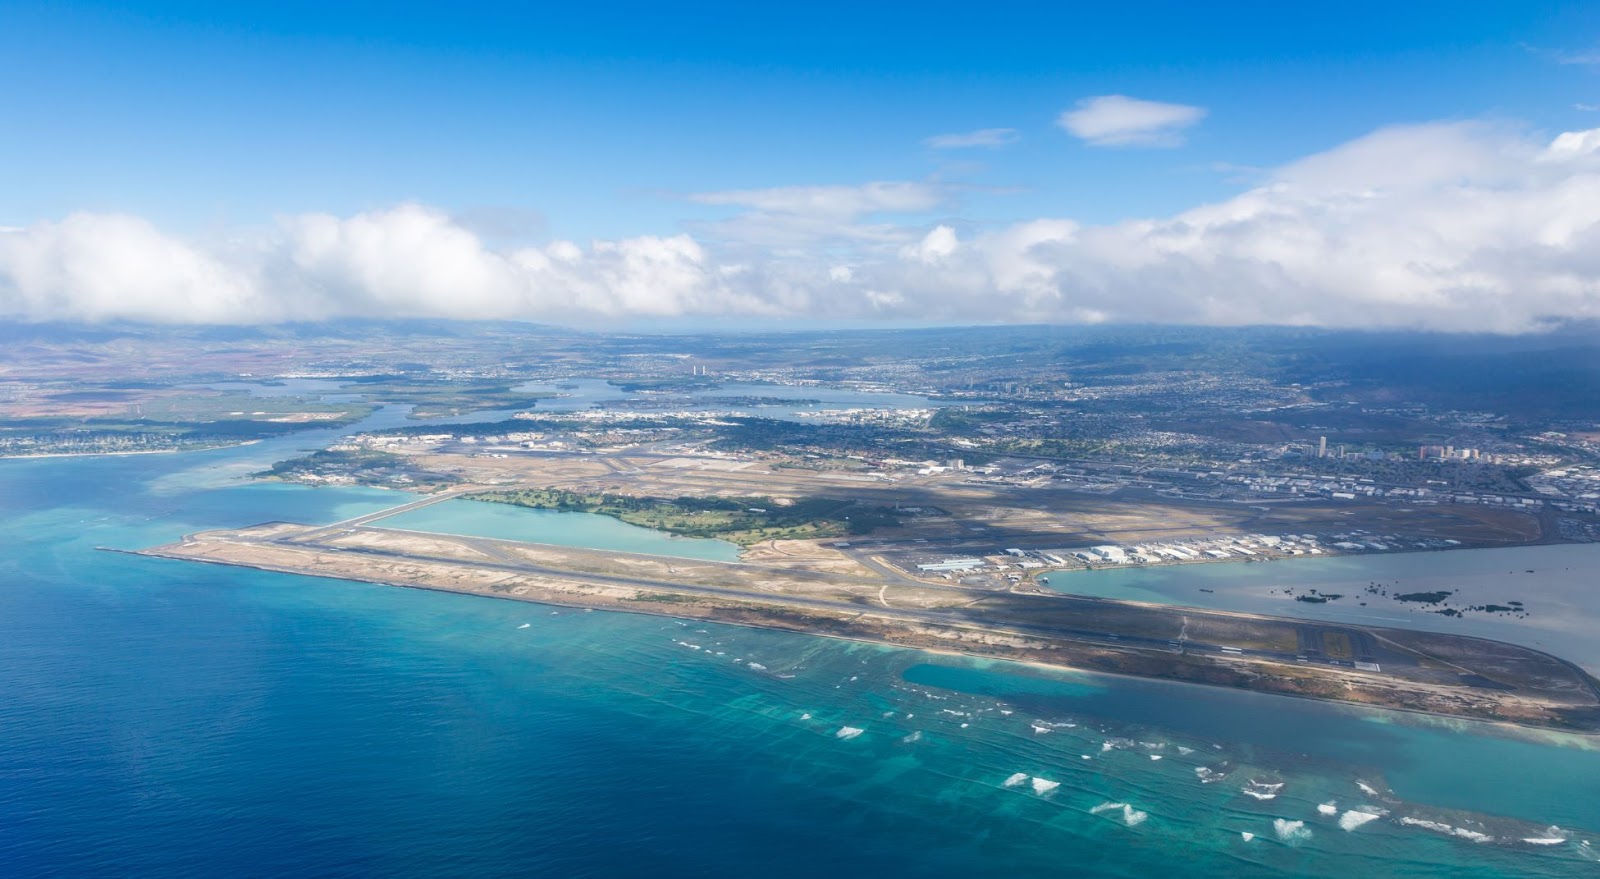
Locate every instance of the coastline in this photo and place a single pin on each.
(1429, 693)
(237, 445)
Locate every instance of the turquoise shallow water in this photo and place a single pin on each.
(160, 718)
(506, 522)
(1556, 585)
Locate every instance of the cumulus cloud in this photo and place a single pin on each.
(984, 137)
(935, 247)
(1458, 226)
(1118, 120)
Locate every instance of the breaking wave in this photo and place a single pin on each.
(1131, 817)
(1352, 819)
(1448, 830)
(1290, 831)
(1042, 786)
(1553, 835)
(849, 732)
(1262, 790)
(1015, 779)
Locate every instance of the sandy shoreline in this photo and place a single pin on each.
(1555, 696)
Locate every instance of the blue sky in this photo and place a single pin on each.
(528, 124)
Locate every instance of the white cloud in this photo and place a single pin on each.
(796, 220)
(1118, 120)
(935, 247)
(1460, 226)
(984, 137)
(845, 201)
(1585, 58)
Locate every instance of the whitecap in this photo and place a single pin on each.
(756, 666)
(1131, 817)
(1290, 831)
(524, 625)
(1367, 789)
(806, 716)
(1040, 730)
(1553, 835)
(1015, 779)
(1042, 786)
(849, 732)
(915, 736)
(1262, 790)
(1208, 775)
(1327, 809)
(1155, 756)
(1246, 835)
(1440, 827)
(1353, 818)
(1184, 752)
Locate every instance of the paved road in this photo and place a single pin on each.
(327, 531)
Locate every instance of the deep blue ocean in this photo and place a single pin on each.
(162, 718)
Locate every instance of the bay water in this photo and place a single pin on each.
(163, 718)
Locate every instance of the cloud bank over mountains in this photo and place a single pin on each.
(1453, 226)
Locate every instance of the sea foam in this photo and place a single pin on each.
(1042, 786)
(1290, 831)
(1262, 790)
(1015, 779)
(1352, 819)
(1131, 817)
(849, 732)
(1440, 827)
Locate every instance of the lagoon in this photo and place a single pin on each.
(1556, 584)
(472, 518)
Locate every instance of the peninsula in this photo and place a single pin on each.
(818, 588)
